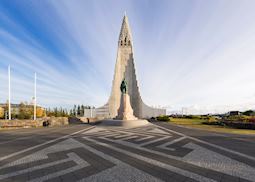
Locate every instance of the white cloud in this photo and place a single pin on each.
(198, 55)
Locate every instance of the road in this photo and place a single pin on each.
(157, 152)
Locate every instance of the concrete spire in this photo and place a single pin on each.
(125, 36)
(125, 68)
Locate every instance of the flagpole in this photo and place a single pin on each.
(9, 104)
(35, 97)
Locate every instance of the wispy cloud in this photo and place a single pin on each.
(195, 54)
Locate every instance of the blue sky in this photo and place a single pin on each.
(195, 54)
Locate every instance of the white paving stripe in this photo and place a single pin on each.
(200, 156)
(45, 143)
(110, 135)
(71, 157)
(25, 137)
(201, 159)
(210, 144)
(205, 158)
(94, 130)
(157, 163)
(121, 172)
(165, 145)
(130, 137)
(43, 154)
(103, 134)
(156, 140)
(81, 164)
(144, 138)
(141, 148)
(122, 136)
(158, 131)
(16, 173)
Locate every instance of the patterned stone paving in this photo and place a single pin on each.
(148, 153)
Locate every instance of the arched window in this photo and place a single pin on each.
(121, 42)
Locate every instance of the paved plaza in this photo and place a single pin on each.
(156, 152)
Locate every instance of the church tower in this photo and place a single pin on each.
(125, 68)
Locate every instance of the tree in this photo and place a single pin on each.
(82, 110)
(78, 110)
(40, 112)
(55, 112)
(25, 111)
(74, 110)
(63, 113)
(6, 109)
(71, 112)
(58, 112)
(66, 113)
(249, 113)
(1, 112)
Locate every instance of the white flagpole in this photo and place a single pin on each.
(35, 98)
(9, 104)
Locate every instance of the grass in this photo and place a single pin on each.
(197, 123)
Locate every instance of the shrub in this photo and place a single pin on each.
(237, 118)
(252, 120)
(238, 125)
(241, 125)
(218, 123)
(163, 118)
(192, 117)
(249, 113)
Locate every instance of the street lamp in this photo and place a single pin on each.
(9, 86)
(35, 97)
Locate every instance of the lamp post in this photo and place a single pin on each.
(9, 86)
(35, 97)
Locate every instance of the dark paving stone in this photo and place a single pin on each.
(24, 139)
(230, 141)
(179, 164)
(155, 171)
(68, 177)
(227, 178)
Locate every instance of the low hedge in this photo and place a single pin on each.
(163, 118)
(218, 123)
(241, 125)
(238, 125)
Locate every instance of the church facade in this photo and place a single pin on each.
(125, 68)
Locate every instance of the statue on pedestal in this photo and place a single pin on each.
(125, 111)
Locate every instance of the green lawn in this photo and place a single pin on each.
(197, 123)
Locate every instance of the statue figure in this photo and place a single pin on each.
(123, 86)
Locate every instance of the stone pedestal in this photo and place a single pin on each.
(125, 111)
(125, 116)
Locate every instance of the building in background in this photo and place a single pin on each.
(21, 111)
